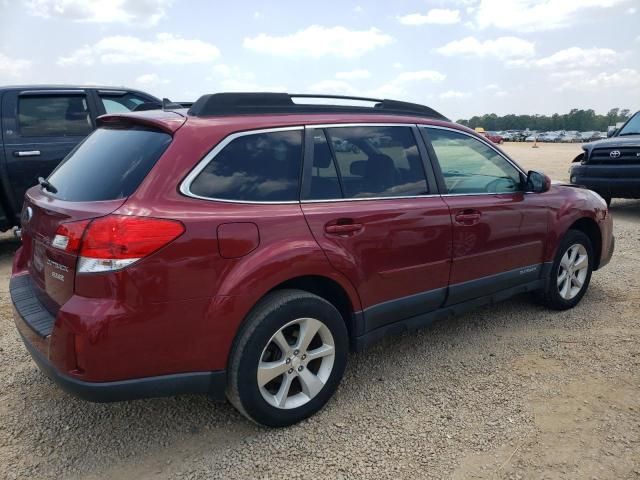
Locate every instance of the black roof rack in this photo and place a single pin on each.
(217, 104)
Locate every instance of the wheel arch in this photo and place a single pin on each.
(590, 228)
(330, 290)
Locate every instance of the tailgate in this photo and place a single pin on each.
(53, 270)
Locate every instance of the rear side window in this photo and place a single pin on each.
(53, 115)
(121, 103)
(109, 164)
(378, 161)
(260, 167)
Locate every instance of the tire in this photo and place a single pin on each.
(288, 312)
(556, 294)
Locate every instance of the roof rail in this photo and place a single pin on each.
(217, 104)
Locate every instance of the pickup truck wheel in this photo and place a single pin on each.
(570, 272)
(288, 359)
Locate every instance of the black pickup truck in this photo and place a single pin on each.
(611, 167)
(41, 125)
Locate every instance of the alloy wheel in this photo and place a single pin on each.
(572, 271)
(296, 363)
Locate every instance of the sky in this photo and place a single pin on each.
(461, 57)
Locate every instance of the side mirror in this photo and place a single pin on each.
(610, 131)
(537, 182)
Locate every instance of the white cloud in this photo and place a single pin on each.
(626, 78)
(358, 9)
(398, 86)
(576, 57)
(149, 80)
(230, 78)
(357, 74)
(453, 94)
(12, 69)
(504, 48)
(534, 15)
(440, 16)
(135, 12)
(164, 49)
(318, 41)
(336, 87)
(632, 10)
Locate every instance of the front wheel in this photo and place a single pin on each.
(570, 272)
(288, 359)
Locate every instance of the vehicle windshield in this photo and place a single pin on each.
(632, 127)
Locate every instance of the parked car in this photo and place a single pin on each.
(532, 137)
(41, 124)
(611, 167)
(570, 137)
(231, 250)
(494, 137)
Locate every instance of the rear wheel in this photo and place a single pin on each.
(288, 359)
(570, 272)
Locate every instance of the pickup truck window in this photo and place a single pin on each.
(121, 104)
(53, 115)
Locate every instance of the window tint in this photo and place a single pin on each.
(122, 103)
(109, 164)
(378, 161)
(256, 167)
(469, 166)
(53, 115)
(324, 178)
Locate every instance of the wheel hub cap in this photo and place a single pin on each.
(296, 363)
(572, 271)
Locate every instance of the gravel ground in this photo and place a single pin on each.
(510, 391)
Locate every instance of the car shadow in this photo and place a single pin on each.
(628, 210)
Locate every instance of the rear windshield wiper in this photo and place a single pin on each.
(44, 183)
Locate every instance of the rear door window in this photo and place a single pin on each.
(258, 167)
(121, 103)
(53, 115)
(378, 161)
(109, 164)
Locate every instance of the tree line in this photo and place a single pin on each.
(576, 119)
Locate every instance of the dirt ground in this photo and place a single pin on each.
(512, 391)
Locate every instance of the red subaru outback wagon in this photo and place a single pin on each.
(242, 247)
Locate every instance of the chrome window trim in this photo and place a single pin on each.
(185, 186)
(481, 140)
(347, 125)
(333, 200)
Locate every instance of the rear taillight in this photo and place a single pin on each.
(115, 241)
(69, 235)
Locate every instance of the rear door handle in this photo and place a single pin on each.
(468, 217)
(343, 229)
(27, 153)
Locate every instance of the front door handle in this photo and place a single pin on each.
(343, 229)
(27, 153)
(468, 217)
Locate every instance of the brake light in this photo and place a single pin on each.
(116, 241)
(69, 236)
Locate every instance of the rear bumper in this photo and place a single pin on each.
(622, 181)
(36, 327)
(210, 383)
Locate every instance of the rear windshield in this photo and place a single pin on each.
(109, 164)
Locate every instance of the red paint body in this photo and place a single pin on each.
(179, 309)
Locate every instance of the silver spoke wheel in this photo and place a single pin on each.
(572, 271)
(296, 363)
